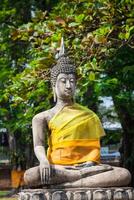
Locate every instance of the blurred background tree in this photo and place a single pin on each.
(13, 60)
(100, 36)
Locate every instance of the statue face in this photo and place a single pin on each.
(65, 86)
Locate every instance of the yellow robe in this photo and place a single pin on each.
(75, 136)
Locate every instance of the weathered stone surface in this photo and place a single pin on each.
(124, 193)
(100, 194)
(80, 195)
(120, 194)
(59, 195)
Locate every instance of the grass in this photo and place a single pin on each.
(6, 198)
(9, 198)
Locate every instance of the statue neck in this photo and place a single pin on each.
(64, 102)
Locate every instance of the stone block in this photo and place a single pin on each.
(118, 193)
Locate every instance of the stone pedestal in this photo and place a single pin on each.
(123, 193)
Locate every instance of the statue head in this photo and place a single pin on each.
(63, 75)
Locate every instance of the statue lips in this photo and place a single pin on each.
(68, 92)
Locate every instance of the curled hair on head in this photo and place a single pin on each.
(63, 65)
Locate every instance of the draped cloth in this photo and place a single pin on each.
(75, 136)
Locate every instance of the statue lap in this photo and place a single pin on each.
(94, 176)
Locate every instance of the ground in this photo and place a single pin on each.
(7, 198)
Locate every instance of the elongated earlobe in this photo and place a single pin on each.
(54, 95)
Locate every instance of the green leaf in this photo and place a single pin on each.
(91, 76)
(73, 24)
(79, 18)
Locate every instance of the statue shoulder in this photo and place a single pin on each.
(42, 116)
(85, 108)
(90, 112)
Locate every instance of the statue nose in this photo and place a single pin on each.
(68, 85)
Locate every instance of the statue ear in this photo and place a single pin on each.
(54, 94)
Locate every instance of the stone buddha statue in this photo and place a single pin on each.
(74, 131)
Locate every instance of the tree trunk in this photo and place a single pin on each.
(127, 149)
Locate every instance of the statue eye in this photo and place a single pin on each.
(63, 80)
(72, 80)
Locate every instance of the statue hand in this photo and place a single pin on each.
(45, 172)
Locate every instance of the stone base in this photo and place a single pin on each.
(118, 193)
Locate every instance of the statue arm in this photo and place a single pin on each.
(39, 125)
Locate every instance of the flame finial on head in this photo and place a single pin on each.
(62, 49)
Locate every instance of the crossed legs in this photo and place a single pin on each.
(94, 176)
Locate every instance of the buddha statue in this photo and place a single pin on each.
(74, 131)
